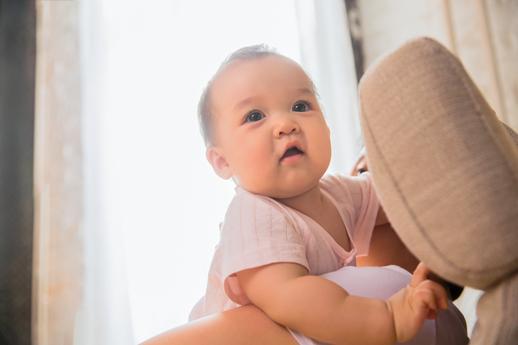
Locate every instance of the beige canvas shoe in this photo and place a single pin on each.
(446, 170)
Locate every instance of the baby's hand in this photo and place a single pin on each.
(420, 300)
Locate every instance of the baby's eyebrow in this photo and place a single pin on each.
(305, 90)
(244, 102)
(249, 100)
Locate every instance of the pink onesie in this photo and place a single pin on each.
(258, 230)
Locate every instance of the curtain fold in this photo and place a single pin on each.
(105, 316)
(79, 281)
(58, 265)
(326, 54)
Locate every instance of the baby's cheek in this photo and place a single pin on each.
(323, 146)
(255, 157)
(256, 165)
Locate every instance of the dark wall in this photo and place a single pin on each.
(17, 65)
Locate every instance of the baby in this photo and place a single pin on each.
(290, 237)
(288, 223)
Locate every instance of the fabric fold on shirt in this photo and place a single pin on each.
(258, 231)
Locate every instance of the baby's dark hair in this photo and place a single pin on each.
(205, 115)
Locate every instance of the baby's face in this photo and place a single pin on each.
(269, 130)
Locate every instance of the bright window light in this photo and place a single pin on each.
(161, 193)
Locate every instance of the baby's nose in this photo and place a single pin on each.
(286, 127)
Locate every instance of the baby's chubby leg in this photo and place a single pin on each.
(244, 325)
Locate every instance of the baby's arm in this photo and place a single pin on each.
(322, 310)
(316, 307)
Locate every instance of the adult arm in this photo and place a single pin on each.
(386, 248)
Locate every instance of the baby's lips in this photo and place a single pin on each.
(291, 151)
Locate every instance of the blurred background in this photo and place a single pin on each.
(109, 210)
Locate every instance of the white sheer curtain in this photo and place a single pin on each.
(152, 203)
(104, 316)
(328, 57)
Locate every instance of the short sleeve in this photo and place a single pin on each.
(256, 232)
(357, 196)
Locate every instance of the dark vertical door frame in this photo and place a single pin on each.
(17, 88)
(355, 32)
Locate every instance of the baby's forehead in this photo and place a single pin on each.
(252, 70)
(272, 58)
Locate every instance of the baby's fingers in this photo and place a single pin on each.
(425, 299)
(425, 306)
(420, 274)
(439, 293)
(431, 296)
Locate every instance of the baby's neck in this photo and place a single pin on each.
(311, 203)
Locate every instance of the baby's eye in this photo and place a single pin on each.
(254, 116)
(301, 106)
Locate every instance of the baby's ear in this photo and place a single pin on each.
(219, 163)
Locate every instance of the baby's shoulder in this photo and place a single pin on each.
(338, 179)
(341, 182)
(253, 210)
(246, 202)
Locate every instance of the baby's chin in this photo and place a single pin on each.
(292, 190)
(286, 187)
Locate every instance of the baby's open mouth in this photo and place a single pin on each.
(292, 151)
